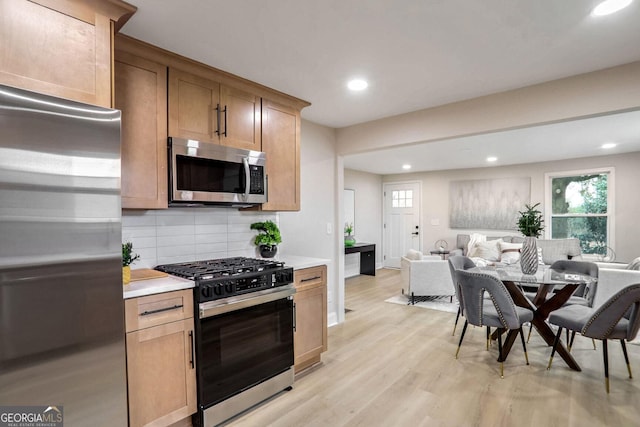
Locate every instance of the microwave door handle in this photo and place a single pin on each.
(247, 177)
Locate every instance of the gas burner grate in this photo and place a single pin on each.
(222, 267)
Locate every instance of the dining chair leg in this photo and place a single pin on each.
(594, 343)
(555, 344)
(524, 346)
(500, 353)
(455, 325)
(626, 357)
(488, 337)
(530, 328)
(573, 335)
(605, 355)
(464, 329)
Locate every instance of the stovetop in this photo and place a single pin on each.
(223, 267)
(227, 277)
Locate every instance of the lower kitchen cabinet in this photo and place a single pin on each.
(310, 337)
(160, 358)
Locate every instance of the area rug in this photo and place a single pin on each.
(433, 303)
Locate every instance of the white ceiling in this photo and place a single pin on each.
(414, 53)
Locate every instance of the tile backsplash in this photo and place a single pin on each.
(188, 234)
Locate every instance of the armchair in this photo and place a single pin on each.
(425, 276)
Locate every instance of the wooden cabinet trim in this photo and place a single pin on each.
(153, 310)
(165, 347)
(144, 154)
(173, 60)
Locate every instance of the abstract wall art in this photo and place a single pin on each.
(489, 204)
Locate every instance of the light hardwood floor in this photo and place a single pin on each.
(394, 365)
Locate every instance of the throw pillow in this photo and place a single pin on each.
(540, 259)
(488, 250)
(634, 265)
(509, 252)
(413, 255)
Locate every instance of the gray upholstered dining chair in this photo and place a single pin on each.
(583, 295)
(459, 262)
(498, 312)
(617, 318)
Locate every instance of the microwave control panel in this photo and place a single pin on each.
(256, 175)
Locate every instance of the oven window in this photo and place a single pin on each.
(198, 174)
(242, 348)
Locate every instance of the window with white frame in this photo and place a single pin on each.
(402, 198)
(581, 206)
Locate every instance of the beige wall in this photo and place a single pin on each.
(613, 89)
(305, 232)
(368, 207)
(435, 189)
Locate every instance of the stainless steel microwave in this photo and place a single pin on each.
(207, 173)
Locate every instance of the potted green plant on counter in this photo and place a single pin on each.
(267, 239)
(530, 225)
(128, 257)
(349, 240)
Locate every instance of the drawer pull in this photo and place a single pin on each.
(310, 279)
(146, 313)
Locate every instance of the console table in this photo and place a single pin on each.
(367, 257)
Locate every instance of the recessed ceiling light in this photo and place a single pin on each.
(609, 145)
(608, 7)
(491, 159)
(406, 167)
(357, 84)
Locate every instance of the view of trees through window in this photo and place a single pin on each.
(579, 209)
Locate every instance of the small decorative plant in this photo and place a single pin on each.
(530, 221)
(269, 233)
(268, 238)
(348, 228)
(128, 256)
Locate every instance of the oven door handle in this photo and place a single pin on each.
(214, 308)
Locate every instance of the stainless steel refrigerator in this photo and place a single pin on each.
(61, 306)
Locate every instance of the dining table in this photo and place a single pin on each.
(553, 289)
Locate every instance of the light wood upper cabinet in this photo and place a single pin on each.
(310, 337)
(281, 143)
(60, 48)
(160, 358)
(141, 94)
(205, 110)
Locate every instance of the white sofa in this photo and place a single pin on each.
(425, 276)
(611, 278)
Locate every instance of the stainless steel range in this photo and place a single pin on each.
(245, 319)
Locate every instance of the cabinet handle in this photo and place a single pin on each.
(217, 119)
(192, 361)
(225, 121)
(160, 310)
(310, 279)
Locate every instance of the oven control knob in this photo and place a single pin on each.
(205, 291)
(218, 289)
(228, 288)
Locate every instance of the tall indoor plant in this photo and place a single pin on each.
(268, 238)
(530, 225)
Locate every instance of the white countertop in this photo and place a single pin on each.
(300, 262)
(171, 283)
(155, 286)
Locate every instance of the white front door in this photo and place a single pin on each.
(401, 221)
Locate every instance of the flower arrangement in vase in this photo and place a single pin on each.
(349, 240)
(530, 224)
